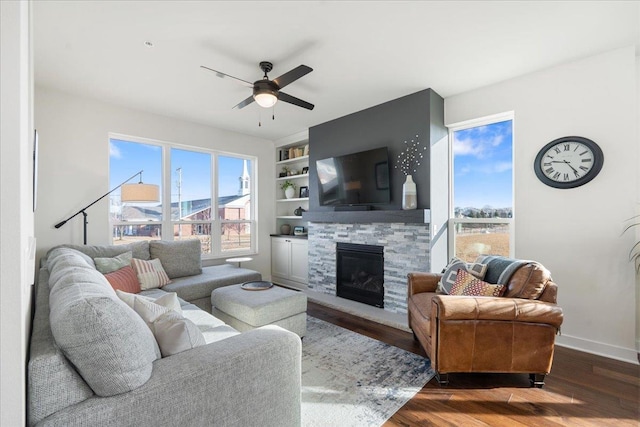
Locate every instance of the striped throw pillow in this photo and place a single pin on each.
(467, 284)
(150, 273)
(124, 279)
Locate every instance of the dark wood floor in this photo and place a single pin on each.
(581, 390)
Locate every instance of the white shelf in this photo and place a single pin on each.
(297, 199)
(300, 175)
(294, 160)
(289, 217)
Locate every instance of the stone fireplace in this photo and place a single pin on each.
(405, 247)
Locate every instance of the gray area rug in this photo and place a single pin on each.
(349, 379)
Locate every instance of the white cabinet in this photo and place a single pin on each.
(289, 261)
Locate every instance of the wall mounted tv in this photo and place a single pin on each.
(360, 178)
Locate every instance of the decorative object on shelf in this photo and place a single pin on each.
(409, 194)
(285, 170)
(132, 193)
(408, 162)
(285, 229)
(282, 175)
(568, 162)
(305, 170)
(298, 211)
(409, 159)
(304, 192)
(293, 172)
(298, 230)
(289, 189)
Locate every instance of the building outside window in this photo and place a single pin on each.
(209, 194)
(481, 214)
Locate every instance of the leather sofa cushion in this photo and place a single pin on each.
(528, 282)
(503, 309)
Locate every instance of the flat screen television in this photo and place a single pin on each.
(360, 178)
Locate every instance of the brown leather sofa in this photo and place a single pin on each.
(514, 333)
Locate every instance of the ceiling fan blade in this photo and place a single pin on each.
(244, 103)
(292, 76)
(223, 75)
(295, 101)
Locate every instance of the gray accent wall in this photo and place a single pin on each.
(386, 125)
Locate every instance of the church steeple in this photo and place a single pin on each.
(244, 181)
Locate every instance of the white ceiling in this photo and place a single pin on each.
(363, 53)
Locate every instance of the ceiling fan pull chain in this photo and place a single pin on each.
(273, 112)
(259, 118)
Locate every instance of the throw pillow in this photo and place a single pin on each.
(107, 265)
(173, 332)
(179, 257)
(150, 273)
(124, 279)
(169, 300)
(467, 284)
(449, 273)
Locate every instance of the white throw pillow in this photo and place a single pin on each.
(150, 273)
(169, 300)
(173, 332)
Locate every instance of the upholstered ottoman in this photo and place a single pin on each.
(245, 310)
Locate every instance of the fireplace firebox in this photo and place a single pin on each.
(360, 273)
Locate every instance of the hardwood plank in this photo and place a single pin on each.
(582, 389)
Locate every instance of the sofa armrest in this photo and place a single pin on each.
(422, 282)
(453, 307)
(249, 379)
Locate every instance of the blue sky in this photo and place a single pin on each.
(127, 158)
(482, 166)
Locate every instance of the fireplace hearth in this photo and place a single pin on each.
(360, 273)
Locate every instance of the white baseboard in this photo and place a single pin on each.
(628, 355)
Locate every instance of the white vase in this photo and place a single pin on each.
(289, 192)
(409, 194)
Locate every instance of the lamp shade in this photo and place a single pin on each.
(265, 100)
(141, 193)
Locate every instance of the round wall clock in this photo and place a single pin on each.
(568, 162)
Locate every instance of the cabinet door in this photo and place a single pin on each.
(299, 260)
(280, 257)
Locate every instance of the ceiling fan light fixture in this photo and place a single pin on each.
(265, 99)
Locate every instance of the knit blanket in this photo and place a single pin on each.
(499, 268)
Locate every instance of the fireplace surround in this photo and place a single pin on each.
(405, 249)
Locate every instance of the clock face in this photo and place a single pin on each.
(568, 162)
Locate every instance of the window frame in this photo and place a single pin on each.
(453, 221)
(167, 223)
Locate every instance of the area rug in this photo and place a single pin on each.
(349, 379)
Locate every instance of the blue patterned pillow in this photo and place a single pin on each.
(449, 273)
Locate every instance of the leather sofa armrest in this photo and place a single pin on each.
(422, 282)
(453, 307)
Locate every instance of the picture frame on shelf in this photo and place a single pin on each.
(282, 175)
(304, 192)
(305, 170)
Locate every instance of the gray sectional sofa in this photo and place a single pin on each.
(94, 361)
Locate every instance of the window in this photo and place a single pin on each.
(482, 189)
(197, 183)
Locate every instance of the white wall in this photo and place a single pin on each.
(576, 233)
(74, 171)
(16, 215)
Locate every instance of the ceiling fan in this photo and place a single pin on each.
(267, 92)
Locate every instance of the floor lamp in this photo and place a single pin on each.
(132, 193)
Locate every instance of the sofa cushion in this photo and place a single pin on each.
(167, 299)
(192, 288)
(179, 258)
(523, 279)
(467, 284)
(150, 273)
(172, 331)
(124, 279)
(139, 249)
(449, 273)
(107, 342)
(107, 265)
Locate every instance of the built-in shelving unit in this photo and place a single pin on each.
(292, 157)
